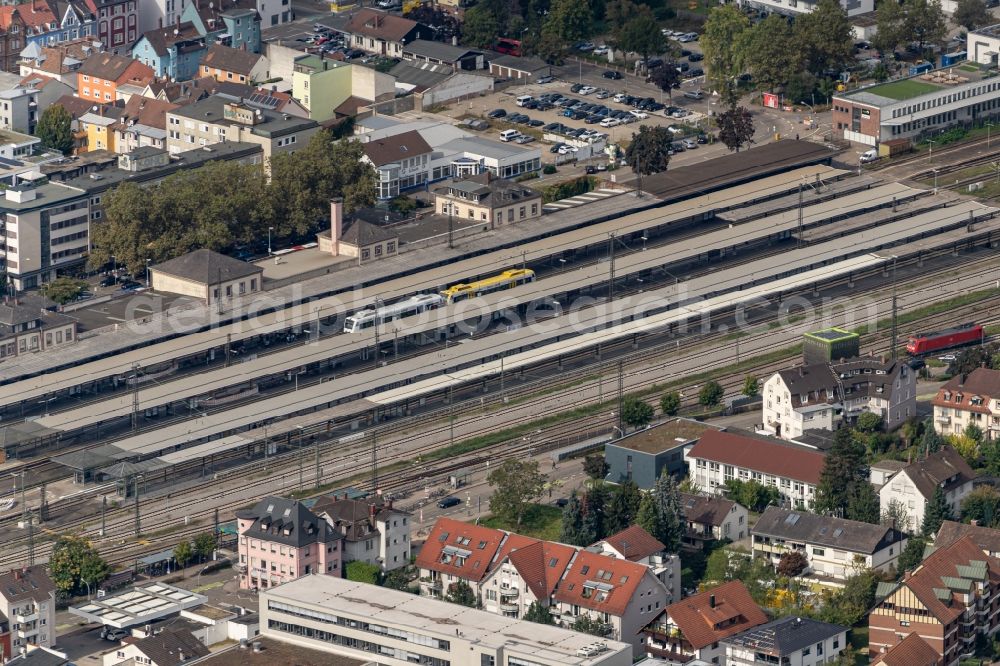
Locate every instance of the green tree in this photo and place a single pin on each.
(572, 521)
(648, 518)
(362, 572)
(751, 494)
(569, 21)
(595, 466)
(649, 151)
(990, 450)
(869, 422)
(669, 521)
(618, 13)
(538, 613)
(843, 466)
(862, 503)
(890, 23)
(63, 290)
(966, 446)
(204, 545)
(593, 527)
(670, 403)
(913, 554)
(853, 602)
(736, 128)
(623, 507)
(720, 43)
(896, 515)
(710, 394)
(73, 563)
(718, 566)
(971, 14)
(588, 625)
(636, 412)
(461, 593)
(825, 37)
(925, 22)
(515, 484)
(930, 440)
(770, 52)
(983, 506)
(641, 34)
(974, 432)
(399, 579)
(183, 552)
(54, 128)
(937, 512)
(751, 386)
(480, 27)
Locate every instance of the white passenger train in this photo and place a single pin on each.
(413, 305)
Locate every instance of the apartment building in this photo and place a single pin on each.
(789, 640)
(117, 23)
(59, 61)
(637, 545)
(911, 651)
(489, 199)
(219, 119)
(374, 531)
(833, 547)
(986, 538)
(827, 396)
(281, 540)
(22, 105)
(29, 325)
(231, 23)
(321, 84)
(101, 74)
(173, 51)
(402, 162)
(376, 624)
(28, 602)
(693, 627)
(720, 456)
(969, 399)
(228, 64)
(142, 123)
(913, 486)
(712, 518)
(951, 598)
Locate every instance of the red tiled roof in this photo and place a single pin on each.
(911, 651)
(700, 622)
(37, 15)
(944, 563)
(480, 542)
(588, 569)
(634, 543)
(541, 564)
(761, 455)
(145, 111)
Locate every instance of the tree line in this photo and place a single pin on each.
(226, 203)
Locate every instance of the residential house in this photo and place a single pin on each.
(279, 102)
(437, 53)
(712, 518)
(913, 486)
(53, 21)
(788, 640)
(169, 647)
(205, 274)
(186, 92)
(911, 651)
(828, 395)
(833, 547)
(47, 229)
(47, 89)
(506, 67)
(227, 64)
(13, 31)
(28, 601)
(100, 75)
(642, 456)
(401, 162)
(18, 146)
(60, 61)
(693, 628)
(383, 33)
(30, 325)
(117, 23)
(950, 599)
(99, 128)
(174, 51)
(281, 540)
(509, 571)
(235, 24)
(374, 531)
(143, 122)
(37, 656)
(218, 119)
(19, 109)
(720, 456)
(986, 538)
(77, 108)
(637, 545)
(488, 199)
(321, 84)
(969, 399)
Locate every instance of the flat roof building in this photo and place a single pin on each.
(643, 455)
(359, 620)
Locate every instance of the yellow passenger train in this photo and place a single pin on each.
(506, 280)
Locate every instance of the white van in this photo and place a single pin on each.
(523, 99)
(509, 135)
(869, 156)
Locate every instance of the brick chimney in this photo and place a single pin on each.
(336, 224)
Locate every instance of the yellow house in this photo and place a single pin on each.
(97, 128)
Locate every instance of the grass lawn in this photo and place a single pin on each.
(904, 89)
(968, 68)
(540, 521)
(859, 641)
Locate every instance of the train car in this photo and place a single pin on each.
(413, 305)
(926, 343)
(505, 280)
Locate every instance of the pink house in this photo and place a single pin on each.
(281, 540)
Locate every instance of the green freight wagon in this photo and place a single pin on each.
(830, 345)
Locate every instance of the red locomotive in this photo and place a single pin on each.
(926, 343)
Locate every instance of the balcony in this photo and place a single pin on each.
(433, 584)
(509, 606)
(942, 418)
(25, 619)
(508, 593)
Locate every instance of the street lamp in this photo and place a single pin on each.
(147, 273)
(269, 230)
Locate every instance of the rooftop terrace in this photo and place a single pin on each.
(919, 84)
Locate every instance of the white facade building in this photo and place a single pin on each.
(969, 399)
(790, 641)
(914, 485)
(797, 7)
(28, 601)
(374, 533)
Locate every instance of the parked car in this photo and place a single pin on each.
(602, 94)
(688, 37)
(689, 144)
(696, 72)
(674, 129)
(610, 122)
(524, 138)
(638, 115)
(546, 79)
(109, 281)
(575, 88)
(115, 635)
(695, 57)
(552, 127)
(496, 113)
(448, 502)
(556, 148)
(702, 138)
(620, 98)
(601, 50)
(612, 74)
(586, 46)
(586, 90)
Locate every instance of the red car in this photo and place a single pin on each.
(926, 343)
